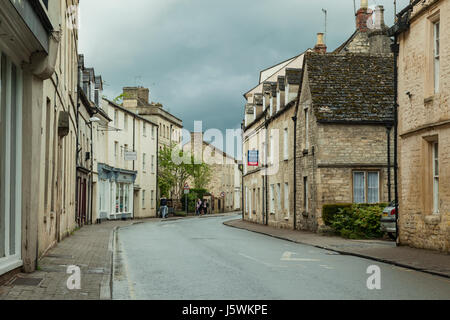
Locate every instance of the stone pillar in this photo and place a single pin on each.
(31, 161)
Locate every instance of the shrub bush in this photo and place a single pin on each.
(358, 221)
(329, 210)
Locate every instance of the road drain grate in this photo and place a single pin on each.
(31, 282)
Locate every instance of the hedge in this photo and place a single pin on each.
(330, 210)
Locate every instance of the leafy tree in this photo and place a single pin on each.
(173, 176)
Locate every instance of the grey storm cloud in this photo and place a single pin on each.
(199, 57)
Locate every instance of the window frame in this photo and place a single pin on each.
(436, 55)
(435, 174)
(366, 186)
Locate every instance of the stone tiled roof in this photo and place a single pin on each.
(351, 87)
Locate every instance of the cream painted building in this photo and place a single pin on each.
(126, 164)
(38, 55)
(424, 125)
(136, 99)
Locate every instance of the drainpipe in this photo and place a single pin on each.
(395, 48)
(242, 172)
(294, 118)
(266, 165)
(92, 177)
(388, 133)
(157, 171)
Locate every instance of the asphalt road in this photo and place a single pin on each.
(201, 259)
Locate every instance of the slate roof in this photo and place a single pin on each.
(351, 87)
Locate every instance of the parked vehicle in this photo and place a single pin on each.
(388, 221)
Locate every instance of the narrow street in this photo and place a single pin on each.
(201, 259)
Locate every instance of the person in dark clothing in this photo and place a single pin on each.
(164, 208)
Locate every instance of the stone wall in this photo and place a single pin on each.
(424, 118)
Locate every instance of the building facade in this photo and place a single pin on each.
(126, 163)
(424, 126)
(221, 184)
(136, 99)
(269, 184)
(38, 129)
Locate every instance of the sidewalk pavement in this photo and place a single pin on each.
(383, 251)
(91, 249)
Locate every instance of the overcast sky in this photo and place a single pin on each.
(199, 57)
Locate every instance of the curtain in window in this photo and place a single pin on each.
(372, 185)
(359, 187)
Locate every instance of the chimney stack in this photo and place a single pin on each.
(320, 46)
(362, 16)
(379, 18)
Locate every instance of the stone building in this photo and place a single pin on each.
(344, 120)
(221, 185)
(136, 99)
(424, 131)
(38, 129)
(125, 181)
(268, 185)
(335, 111)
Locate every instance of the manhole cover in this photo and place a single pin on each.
(32, 282)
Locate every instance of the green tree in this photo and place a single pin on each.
(173, 176)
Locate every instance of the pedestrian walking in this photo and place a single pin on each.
(164, 208)
(204, 207)
(197, 207)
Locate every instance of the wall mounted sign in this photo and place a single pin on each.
(253, 158)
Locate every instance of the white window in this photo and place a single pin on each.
(152, 199)
(153, 132)
(272, 150)
(250, 203)
(144, 130)
(143, 162)
(436, 55)
(272, 198)
(153, 164)
(143, 199)
(359, 187)
(286, 144)
(373, 187)
(278, 101)
(436, 178)
(246, 199)
(278, 197)
(305, 194)
(10, 164)
(116, 118)
(116, 149)
(125, 122)
(306, 128)
(366, 187)
(286, 198)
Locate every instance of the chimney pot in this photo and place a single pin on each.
(364, 4)
(320, 46)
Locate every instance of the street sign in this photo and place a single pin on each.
(186, 191)
(186, 187)
(130, 156)
(253, 158)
